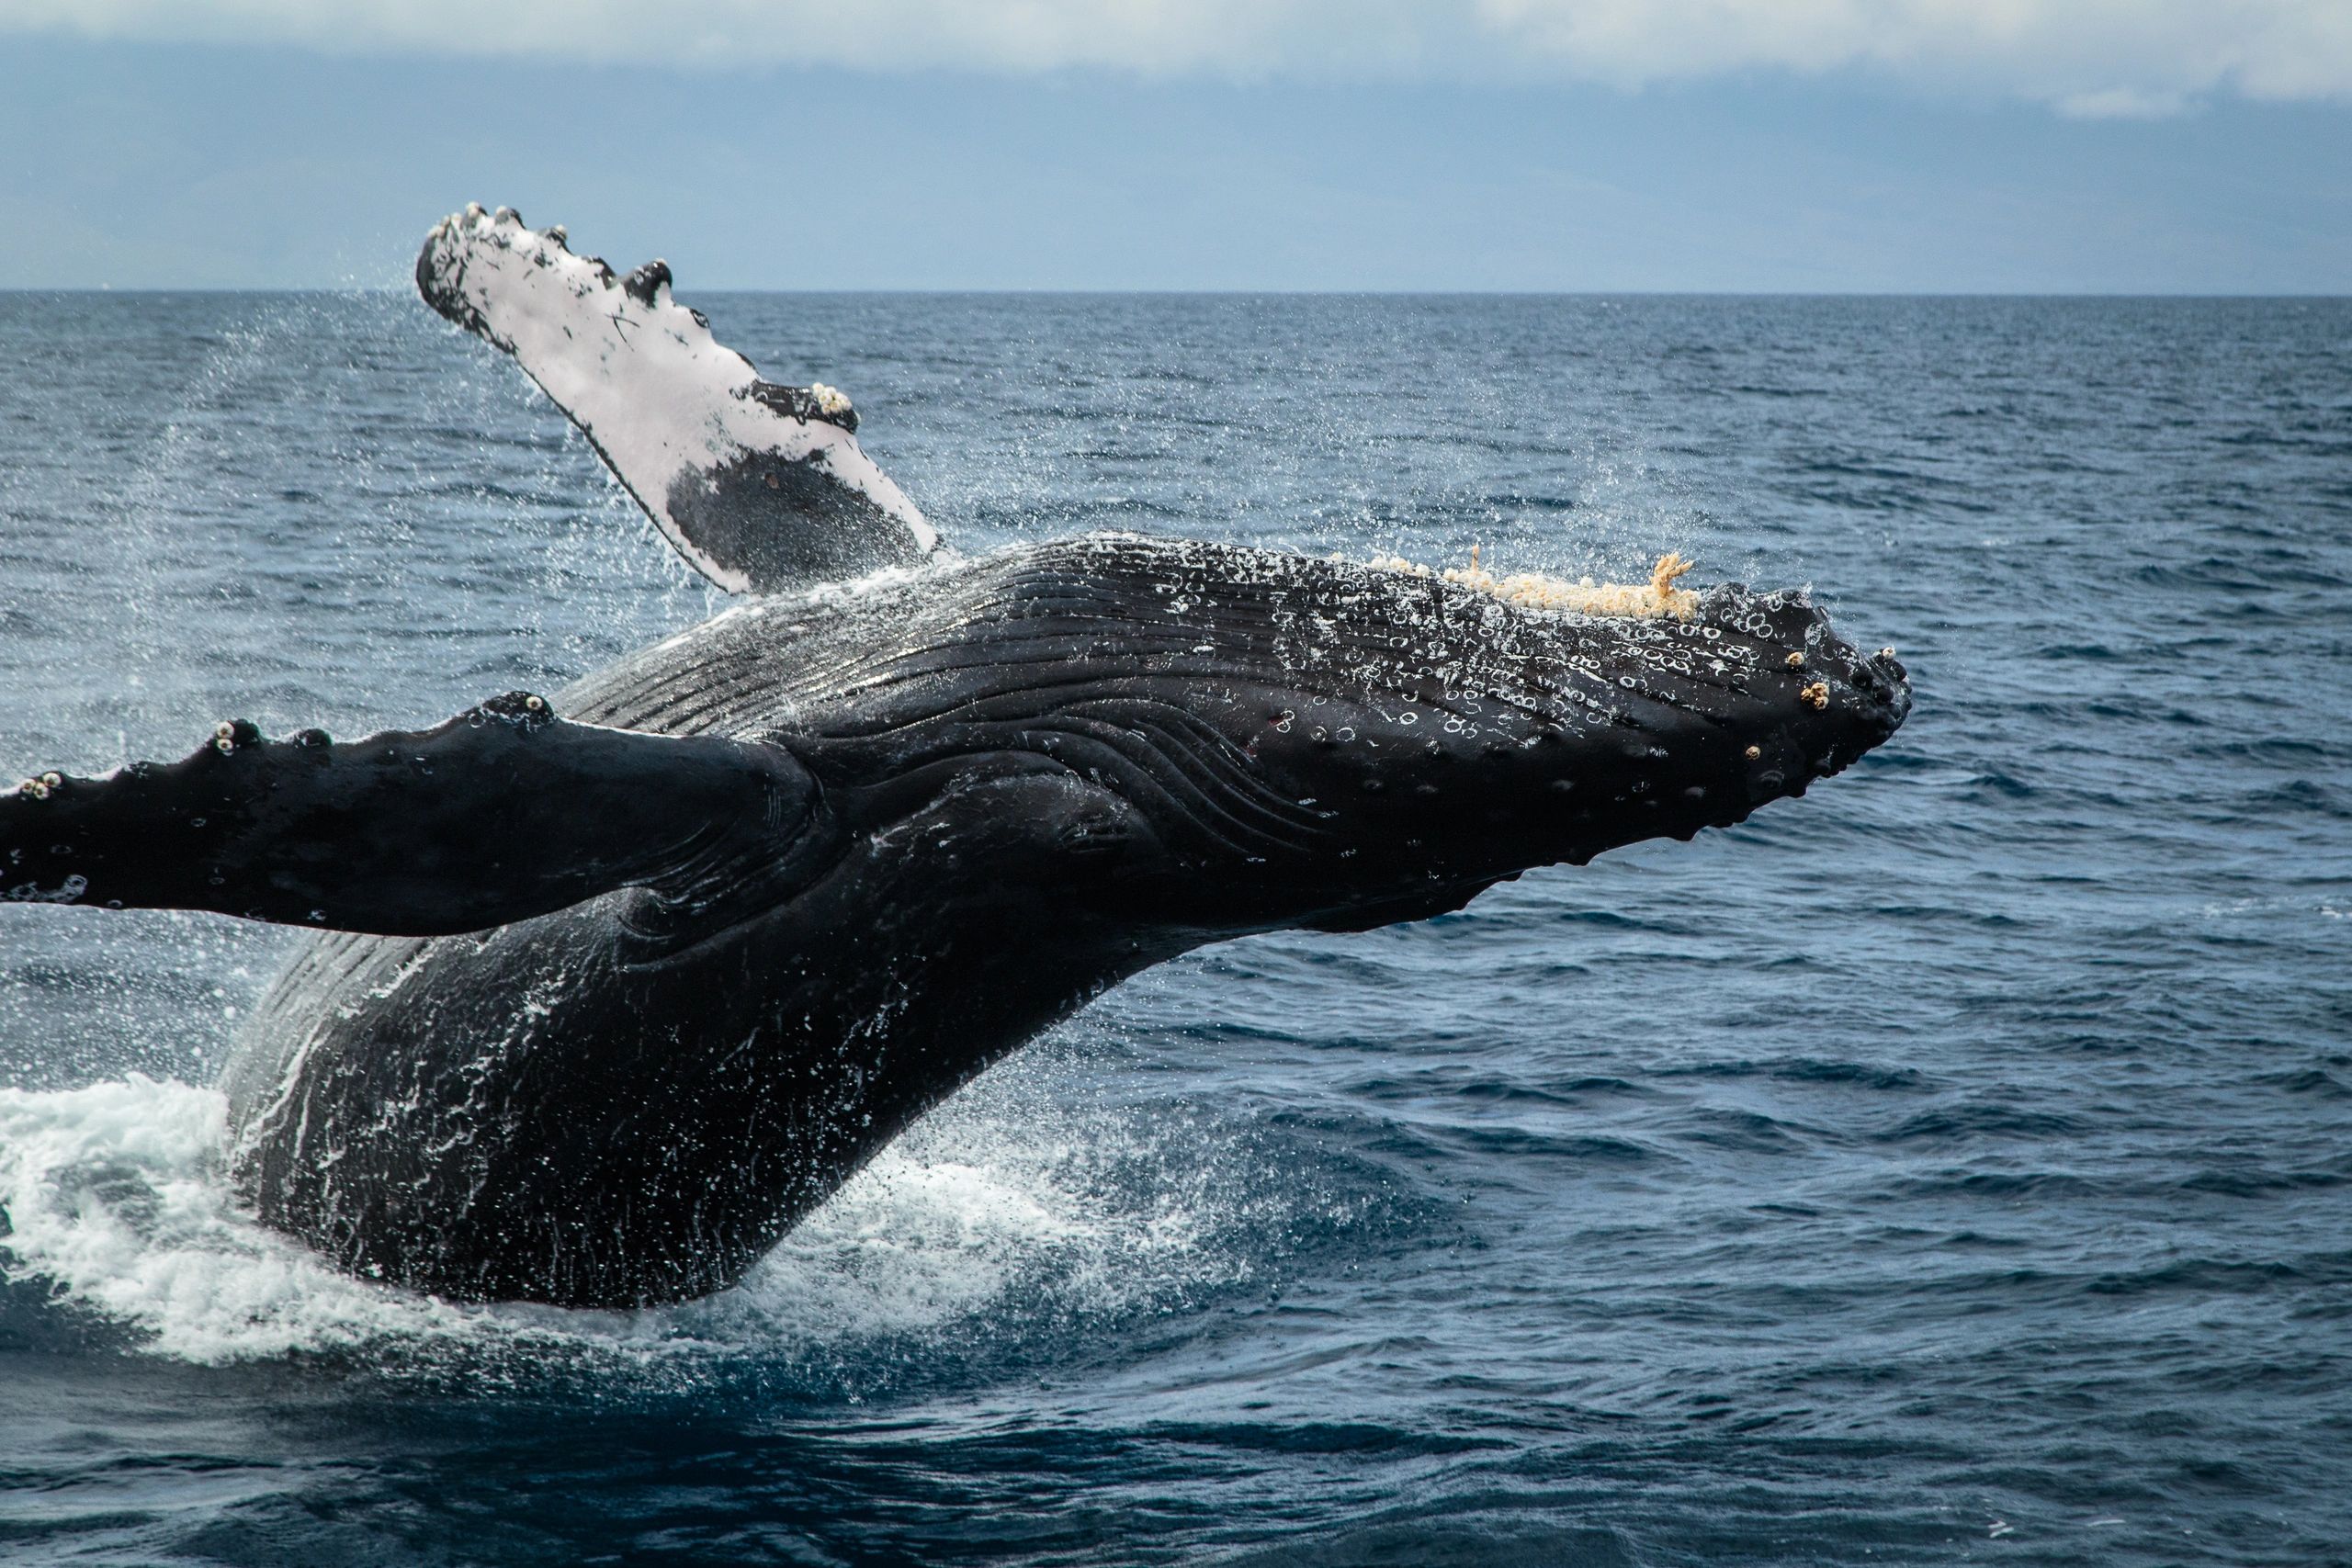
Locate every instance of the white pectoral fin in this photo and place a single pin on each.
(761, 487)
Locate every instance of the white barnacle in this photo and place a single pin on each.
(830, 401)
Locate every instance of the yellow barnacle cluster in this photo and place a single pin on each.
(1657, 598)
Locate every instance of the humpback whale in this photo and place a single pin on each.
(612, 986)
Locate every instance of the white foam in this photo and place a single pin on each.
(117, 1198)
(114, 1193)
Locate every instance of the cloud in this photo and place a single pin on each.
(2121, 103)
(2090, 57)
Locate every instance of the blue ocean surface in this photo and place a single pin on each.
(1955, 1164)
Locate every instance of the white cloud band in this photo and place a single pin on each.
(2088, 57)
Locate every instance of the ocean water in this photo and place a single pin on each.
(1952, 1165)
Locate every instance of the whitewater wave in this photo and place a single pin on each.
(116, 1196)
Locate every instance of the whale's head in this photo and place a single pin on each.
(1270, 739)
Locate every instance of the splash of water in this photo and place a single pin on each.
(116, 1196)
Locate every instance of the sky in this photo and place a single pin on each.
(2039, 146)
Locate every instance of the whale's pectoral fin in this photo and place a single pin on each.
(505, 812)
(762, 488)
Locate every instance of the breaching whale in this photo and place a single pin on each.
(615, 985)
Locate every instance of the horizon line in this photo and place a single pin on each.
(103, 291)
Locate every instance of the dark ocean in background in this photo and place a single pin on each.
(1955, 1164)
